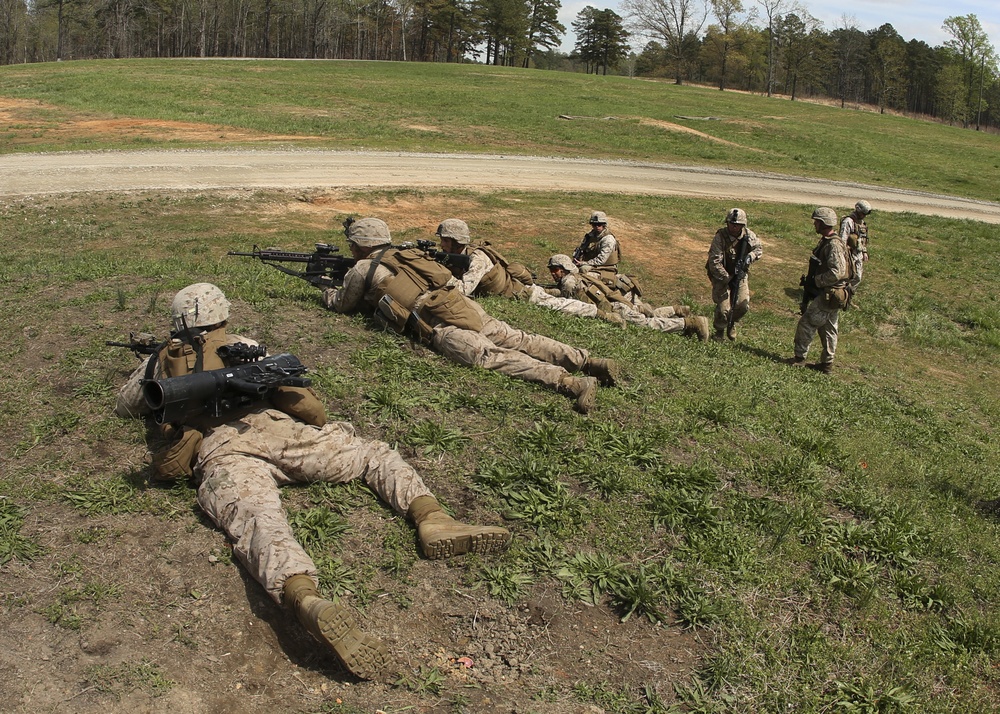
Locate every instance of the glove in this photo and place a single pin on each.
(176, 460)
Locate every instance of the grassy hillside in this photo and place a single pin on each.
(725, 534)
(438, 107)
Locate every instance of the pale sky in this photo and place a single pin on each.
(912, 20)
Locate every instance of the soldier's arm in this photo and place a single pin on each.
(716, 259)
(480, 266)
(835, 260)
(130, 402)
(350, 296)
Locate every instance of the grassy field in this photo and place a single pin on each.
(724, 534)
(816, 537)
(434, 107)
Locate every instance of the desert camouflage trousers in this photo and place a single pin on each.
(509, 351)
(818, 317)
(667, 323)
(720, 296)
(663, 324)
(242, 463)
(858, 259)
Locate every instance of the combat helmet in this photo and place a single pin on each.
(826, 216)
(598, 217)
(863, 207)
(456, 229)
(199, 305)
(736, 216)
(367, 232)
(562, 261)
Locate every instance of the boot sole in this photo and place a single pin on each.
(362, 655)
(484, 542)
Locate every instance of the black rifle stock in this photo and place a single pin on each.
(141, 343)
(325, 267)
(740, 270)
(212, 393)
(808, 282)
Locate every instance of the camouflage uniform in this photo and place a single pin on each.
(241, 464)
(594, 292)
(821, 314)
(497, 346)
(599, 251)
(480, 265)
(854, 225)
(720, 266)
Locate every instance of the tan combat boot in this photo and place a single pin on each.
(821, 367)
(672, 311)
(606, 371)
(583, 389)
(696, 326)
(731, 332)
(613, 317)
(441, 536)
(364, 656)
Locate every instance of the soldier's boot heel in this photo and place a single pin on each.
(443, 537)
(363, 655)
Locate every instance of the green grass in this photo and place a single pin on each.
(469, 108)
(819, 533)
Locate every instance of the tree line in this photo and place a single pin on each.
(765, 46)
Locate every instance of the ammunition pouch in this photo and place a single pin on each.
(449, 306)
(838, 298)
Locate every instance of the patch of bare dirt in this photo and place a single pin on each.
(27, 116)
(670, 126)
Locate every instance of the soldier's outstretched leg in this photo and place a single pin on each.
(441, 536)
(363, 655)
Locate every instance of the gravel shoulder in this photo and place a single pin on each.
(76, 172)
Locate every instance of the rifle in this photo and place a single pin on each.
(213, 393)
(325, 267)
(456, 262)
(144, 343)
(141, 343)
(808, 283)
(740, 270)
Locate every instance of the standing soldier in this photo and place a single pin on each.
(599, 252)
(825, 292)
(242, 455)
(854, 232)
(733, 249)
(415, 294)
(489, 273)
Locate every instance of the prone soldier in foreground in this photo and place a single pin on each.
(261, 428)
(417, 295)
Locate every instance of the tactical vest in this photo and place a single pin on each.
(506, 279)
(414, 276)
(590, 248)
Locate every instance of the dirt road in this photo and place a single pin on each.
(70, 172)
